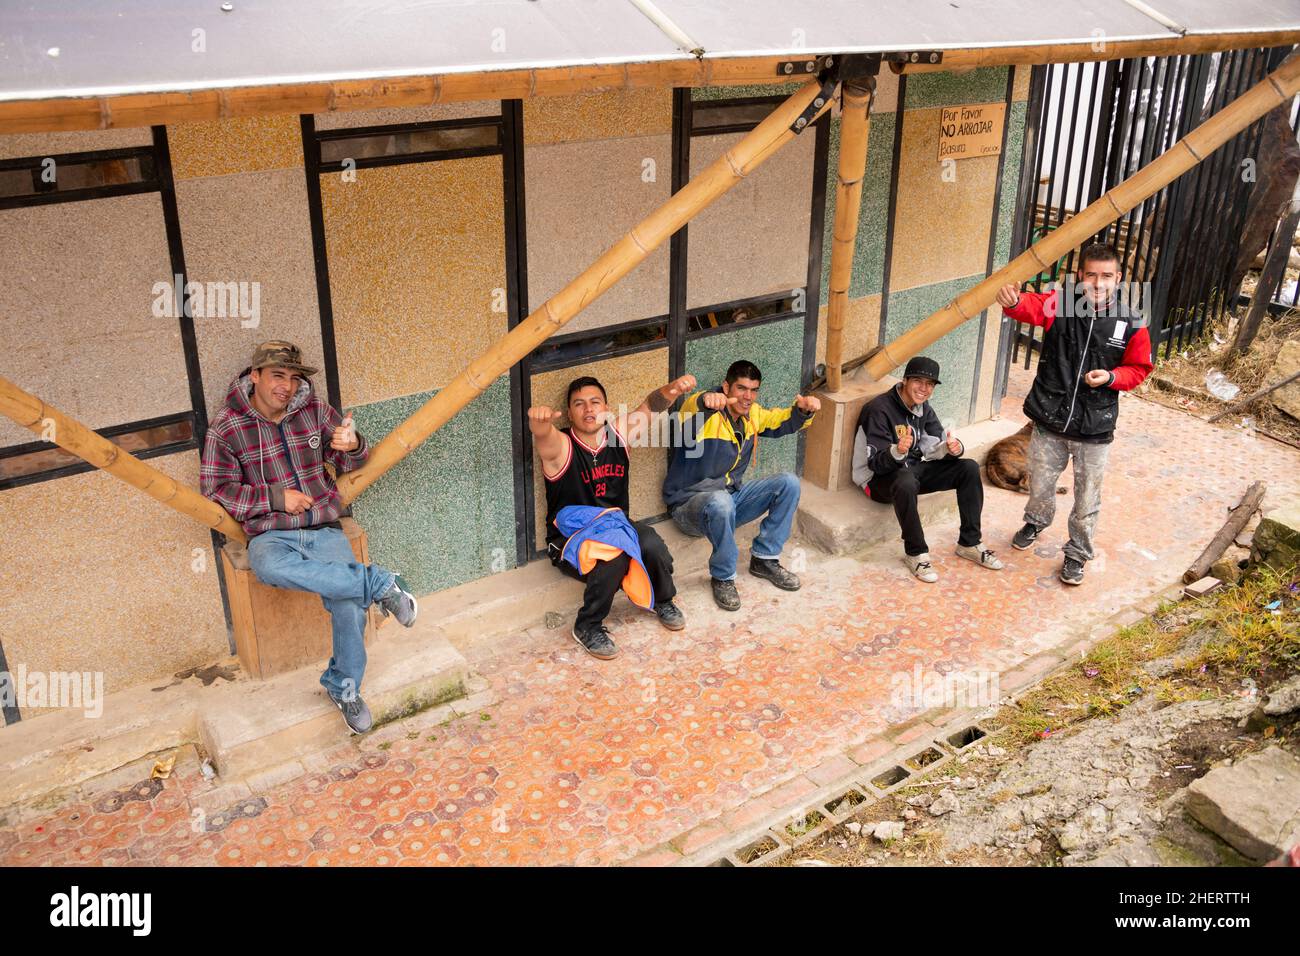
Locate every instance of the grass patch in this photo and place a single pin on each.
(1250, 641)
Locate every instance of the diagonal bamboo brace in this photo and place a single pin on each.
(855, 128)
(1272, 91)
(620, 259)
(68, 433)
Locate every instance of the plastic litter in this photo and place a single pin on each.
(1219, 385)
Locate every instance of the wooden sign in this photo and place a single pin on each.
(974, 130)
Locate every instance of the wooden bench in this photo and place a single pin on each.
(278, 630)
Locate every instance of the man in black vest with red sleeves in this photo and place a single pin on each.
(1094, 347)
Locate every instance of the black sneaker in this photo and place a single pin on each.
(725, 594)
(400, 604)
(1025, 537)
(670, 615)
(771, 569)
(595, 641)
(355, 713)
(1072, 571)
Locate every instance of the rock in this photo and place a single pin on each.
(555, 619)
(910, 814)
(1254, 804)
(946, 802)
(1034, 846)
(1283, 698)
(1287, 398)
(1226, 570)
(888, 830)
(997, 751)
(920, 800)
(1277, 539)
(853, 827)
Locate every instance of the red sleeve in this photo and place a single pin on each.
(1035, 308)
(1136, 364)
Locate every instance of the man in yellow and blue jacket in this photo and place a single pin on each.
(715, 438)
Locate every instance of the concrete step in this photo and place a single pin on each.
(516, 600)
(847, 521)
(246, 726)
(253, 726)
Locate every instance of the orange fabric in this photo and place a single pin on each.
(636, 583)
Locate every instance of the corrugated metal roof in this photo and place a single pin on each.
(107, 47)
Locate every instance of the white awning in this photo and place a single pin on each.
(83, 48)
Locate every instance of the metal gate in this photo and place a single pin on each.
(1091, 125)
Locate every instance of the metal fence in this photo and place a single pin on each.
(1091, 125)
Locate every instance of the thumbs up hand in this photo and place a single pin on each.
(345, 435)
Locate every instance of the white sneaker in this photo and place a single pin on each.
(920, 566)
(980, 555)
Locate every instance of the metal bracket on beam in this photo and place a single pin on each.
(804, 67)
(828, 79)
(901, 58)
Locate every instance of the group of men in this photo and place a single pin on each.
(265, 454)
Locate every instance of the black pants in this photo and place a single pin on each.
(904, 486)
(604, 580)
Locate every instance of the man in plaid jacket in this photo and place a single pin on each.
(264, 462)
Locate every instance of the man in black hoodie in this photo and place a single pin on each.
(901, 451)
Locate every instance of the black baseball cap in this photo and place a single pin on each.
(922, 367)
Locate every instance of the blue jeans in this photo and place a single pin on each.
(321, 561)
(715, 514)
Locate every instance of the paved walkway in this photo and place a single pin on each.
(686, 737)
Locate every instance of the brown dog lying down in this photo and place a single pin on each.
(1007, 465)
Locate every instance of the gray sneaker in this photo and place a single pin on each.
(1072, 571)
(670, 615)
(595, 641)
(355, 713)
(400, 604)
(725, 595)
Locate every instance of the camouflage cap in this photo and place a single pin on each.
(281, 354)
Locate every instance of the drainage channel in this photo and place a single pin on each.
(904, 768)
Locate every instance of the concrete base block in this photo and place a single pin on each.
(253, 726)
(846, 520)
(277, 630)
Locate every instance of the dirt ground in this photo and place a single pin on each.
(1186, 371)
(1091, 767)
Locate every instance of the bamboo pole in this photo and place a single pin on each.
(617, 261)
(855, 129)
(1276, 88)
(119, 111)
(68, 433)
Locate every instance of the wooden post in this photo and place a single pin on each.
(1274, 268)
(620, 259)
(855, 129)
(1276, 88)
(68, 433)
(1237, 520)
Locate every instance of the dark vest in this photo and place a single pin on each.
(1060, 400)
(598, 479)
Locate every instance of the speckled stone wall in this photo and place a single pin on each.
(242, 201)
(23, 145)
(445, 514)
(754, 239)
(595, 165)
(100, 577)
(955, 352)
(776, 348)
(76, 301)
(628, 379)
(417, 269)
